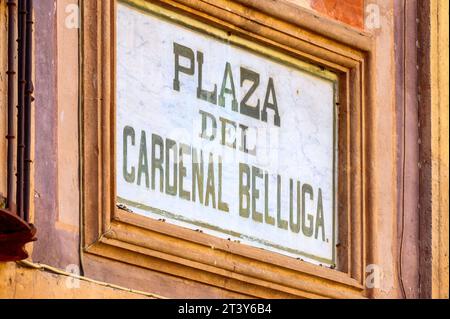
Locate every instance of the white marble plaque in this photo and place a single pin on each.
(224, 139)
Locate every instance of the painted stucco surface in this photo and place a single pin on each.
(347, 11)
(440, 147)
(17, 282)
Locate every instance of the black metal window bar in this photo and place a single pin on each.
(15, 229)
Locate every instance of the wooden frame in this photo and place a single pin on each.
(119, 235)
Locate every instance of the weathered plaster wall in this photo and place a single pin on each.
(56, 179)
(18, 282)
(433, 114)
(440, 148)
(382, 171)
(347, 11)
(408, 252)
(67, 124)
(3, 92)
(56, 166)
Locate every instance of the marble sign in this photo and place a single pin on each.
(224, 136)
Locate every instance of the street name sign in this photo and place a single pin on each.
(225, 136)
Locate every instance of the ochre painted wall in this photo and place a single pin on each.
(18, 282)
(440, 147)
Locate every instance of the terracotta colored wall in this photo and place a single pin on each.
(347, 11)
